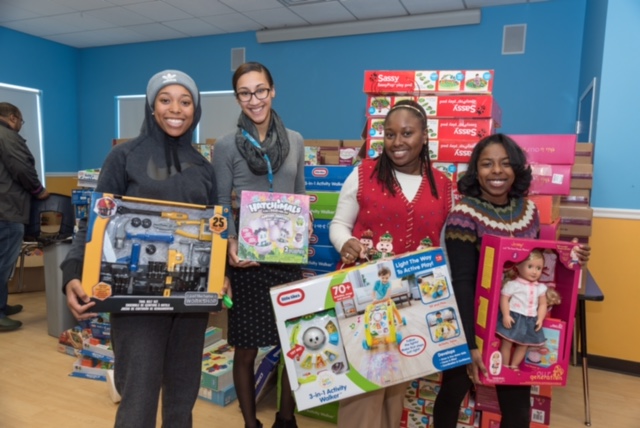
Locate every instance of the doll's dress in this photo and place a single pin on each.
(523, 331)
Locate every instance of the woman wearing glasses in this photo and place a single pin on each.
(262, 155)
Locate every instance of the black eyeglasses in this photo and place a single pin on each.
(260, 94)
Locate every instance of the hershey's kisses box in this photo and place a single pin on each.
(359, 329)
(152, 256)
(273, 227)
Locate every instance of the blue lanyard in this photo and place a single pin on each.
(264, 155)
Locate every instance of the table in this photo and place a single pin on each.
(588, 292)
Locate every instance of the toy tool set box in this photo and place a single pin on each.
(332, 352)
(146, 255)
(274, 227)
(542, 365)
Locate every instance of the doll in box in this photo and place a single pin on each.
(523, 307)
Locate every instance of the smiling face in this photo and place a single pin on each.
(174, 110)
(495, 174)
(531, 269)
(404, 138)
(259, 111)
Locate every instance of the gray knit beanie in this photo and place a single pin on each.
(170, 77)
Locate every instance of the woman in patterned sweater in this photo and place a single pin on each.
(494, 189)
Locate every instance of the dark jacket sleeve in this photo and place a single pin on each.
(463, 261)
(112, 179)
(21, 165)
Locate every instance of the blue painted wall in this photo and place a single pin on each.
(52, 68)
(319, 82)
(616, 181)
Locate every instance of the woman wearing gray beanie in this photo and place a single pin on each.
(262, 155)
(154, 352)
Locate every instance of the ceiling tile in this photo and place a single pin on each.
(323, 13)
(83, 4)
(276, 18)
(79, 21)
(158, 11)
(366, 9)
(156, 31)
(249, 5)
(40, 26)
(39, 7)
(233, 22)
(85, 39)
(119, 16)
(193, 27)
(11, 13)
(201, 7)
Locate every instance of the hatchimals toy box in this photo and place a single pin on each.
(274, 227)
(152, 256)
(545, 364)
(331, 353)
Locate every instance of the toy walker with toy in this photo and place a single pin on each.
(381, 321)
(315, 345)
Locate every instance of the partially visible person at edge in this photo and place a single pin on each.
(154, 352)
(242, 161)
(494, 202)
(18, 184)
(398, 199)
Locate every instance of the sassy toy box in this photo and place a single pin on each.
(274, 227)
(544, 365)
(151, 256)
(330, 356)
(416, 82)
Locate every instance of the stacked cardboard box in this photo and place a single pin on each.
(331, 152)
(487, 404)
(323, 185)
(419, 401)
(552, 157)
(216, 382)
(459, 106)
(460, 111)
(576, 214)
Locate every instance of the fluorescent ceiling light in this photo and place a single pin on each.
(402, 23)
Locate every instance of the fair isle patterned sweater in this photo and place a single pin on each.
(468, 222)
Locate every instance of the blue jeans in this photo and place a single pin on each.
(10, 244)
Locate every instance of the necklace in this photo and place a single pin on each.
(508, 226)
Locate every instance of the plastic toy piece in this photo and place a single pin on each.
(307, 363)
(380, 325)
(331, 356)
(133, 266)
(226, 300)
(164, 214)
(320, 362)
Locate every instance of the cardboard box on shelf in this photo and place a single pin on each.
(144, 255)
(548, 149)
(548, 207)
(576, 215)
(416, 82)
(330, 356)
(582, 176)
(444, 129)
(550, 179)
(577, 198)
(584, 153)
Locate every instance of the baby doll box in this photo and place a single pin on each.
(358, 329)
(545, 365)
(145, 255)
(274, 227)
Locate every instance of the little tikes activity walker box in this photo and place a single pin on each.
(544, 365)
(151, 256)
(274, 227)
(331, 353)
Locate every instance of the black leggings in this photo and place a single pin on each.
(515, 401)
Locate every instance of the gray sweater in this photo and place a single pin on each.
(232, 171)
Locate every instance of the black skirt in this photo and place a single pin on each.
(251, 319)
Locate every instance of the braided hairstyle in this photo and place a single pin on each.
(384, 169)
